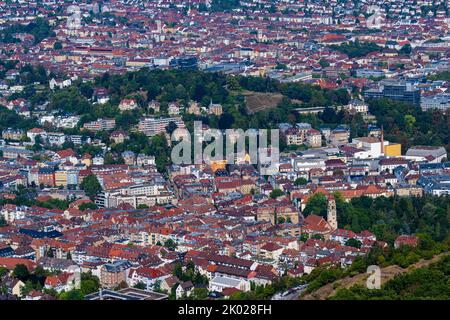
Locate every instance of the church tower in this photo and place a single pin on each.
(331, 213)
(260, 35)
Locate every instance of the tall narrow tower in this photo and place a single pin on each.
(260, 35)
(158, 26)
(331, 213)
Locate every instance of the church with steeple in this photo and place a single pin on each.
(317, 225)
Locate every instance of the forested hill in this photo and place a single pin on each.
(403, 123)
(430, 282)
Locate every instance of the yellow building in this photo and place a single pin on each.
(218, 165)
(216, 109)
(393, 150)
(247, 186)
(60, 58)
(139, 63)
(17, 288)
(61, 178)
(87, 160)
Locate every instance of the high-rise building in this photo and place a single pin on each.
(395, 90)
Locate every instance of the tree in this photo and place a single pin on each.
(91, 186)
(3, 272)
(57, 45)
(39, 28)
(2, 221)
(423, 283)
(50, 253)
(233, 84)
(157, 285)
(199, 294)
(226, 120)
(304, 237)
(171, 127)
(178, 271)
(224, 5)
(142, 206)
(180, 92)
(317, 236)
(127, 119)
(86, 89)
(352, 242)
(3, 289)
(140, 285)
(160, 149)
(276, 193)
(26, 288)
(300, 181)
(444, 75)
(21, 272)
(357, 49)
(410, 120)
(324, 63)
(317, 204)
(70, 100)
(281, 66)
(281, 220)
(173, 292)
(406, 49)
(200, 279)
(74, 294)
(89, 283)
(170, 244)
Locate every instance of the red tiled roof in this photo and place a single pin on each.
(10, 263)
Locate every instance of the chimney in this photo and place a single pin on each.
(382, 140)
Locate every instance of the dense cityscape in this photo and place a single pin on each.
(95, 96)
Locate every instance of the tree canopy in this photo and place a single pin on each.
(355, 49)
(388, 217)
(91, 186)
(431, 282)
(39, 28)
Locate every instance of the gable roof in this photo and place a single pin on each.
(11, 263)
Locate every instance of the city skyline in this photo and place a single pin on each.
(120, 178)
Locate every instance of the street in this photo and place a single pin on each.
(291, 294)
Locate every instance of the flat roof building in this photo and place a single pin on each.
(395, 90)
